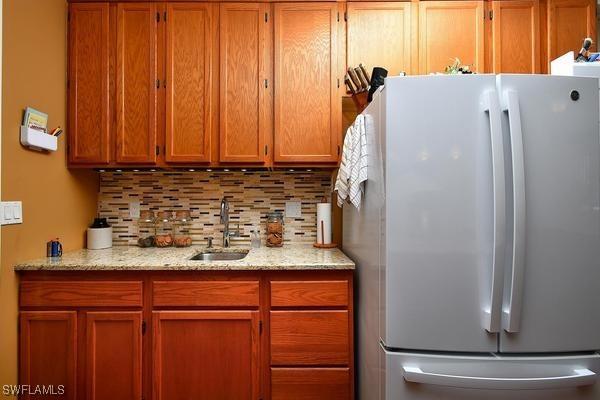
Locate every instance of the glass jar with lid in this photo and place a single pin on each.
(164, 229)
(275, 229)
(146, 229)
(182, 225)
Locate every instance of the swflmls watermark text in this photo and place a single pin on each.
(33, 390)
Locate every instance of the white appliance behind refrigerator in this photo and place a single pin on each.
(478, 254)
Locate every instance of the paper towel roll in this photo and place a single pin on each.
(324, 216)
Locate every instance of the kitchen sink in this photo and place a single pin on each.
(220, 256)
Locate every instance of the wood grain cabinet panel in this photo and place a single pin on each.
(309, 293)
(379, 35)
(206, 355)
(307, 103)
(48, 351)
(80, 294)
(310, 384)
(245, 82)
(114, 355)
(136, 83)
(309, 338)
(205, 293)
(569, 22)
(448, 30)
(191, 80)
(515, 36)
(88, 118)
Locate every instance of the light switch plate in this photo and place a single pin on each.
(134, 209)
(293, 209)
(11, 212)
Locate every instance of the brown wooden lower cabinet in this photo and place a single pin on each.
(206, 355)
(188, 335)
(113, 355)
(310, 383)
(48, 351)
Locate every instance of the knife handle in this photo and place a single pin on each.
(348, 83)
(363, 81)
(365, 73)
(355, 79)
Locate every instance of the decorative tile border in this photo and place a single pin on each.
(251, 196)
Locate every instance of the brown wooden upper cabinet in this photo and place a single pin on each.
(379, 35)
(191, 81)
(245, 76)
(88, 84)
(136, 83)
(515, 36)
(449, 30)
(307, 104)
(569, 22)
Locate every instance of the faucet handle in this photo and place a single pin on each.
(209, 241)
(237, 231)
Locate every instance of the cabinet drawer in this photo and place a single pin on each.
(310, 383)
(205, 293)
(81, 294)
(309, 293)
(309, 337)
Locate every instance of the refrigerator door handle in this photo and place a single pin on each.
(579, 377)
(492, 312)
(512, 313)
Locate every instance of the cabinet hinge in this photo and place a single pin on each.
(157, 17)
(266, 17)
(157, 150)
(491, 15)
(338, 17)
(345, 15)
(143, 327)
(266, 149)
(158, 83)
(165, 16)
(338, 83)
(260, 329)
(266, 83)
(338, 150)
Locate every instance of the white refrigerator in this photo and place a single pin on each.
(478, 240)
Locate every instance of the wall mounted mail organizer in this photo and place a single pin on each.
(34, 131)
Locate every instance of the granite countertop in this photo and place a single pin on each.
(288, 257)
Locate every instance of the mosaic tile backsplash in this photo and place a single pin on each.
(251, 196)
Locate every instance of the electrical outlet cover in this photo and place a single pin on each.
(134, 209)
(293, 209)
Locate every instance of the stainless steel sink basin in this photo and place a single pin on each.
(219, 256)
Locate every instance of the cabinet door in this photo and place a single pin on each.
(245, 76)
(48, 351)
(206, 355)
(379, 35)
(569, 22)
(136, 83)
(449, 30)
(88, 83)
(310, 383)
(307, 104)
(191, 79)
(515, 36)
(114, 355)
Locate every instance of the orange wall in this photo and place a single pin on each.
(56, 201)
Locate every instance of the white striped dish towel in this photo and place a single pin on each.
(354, 164)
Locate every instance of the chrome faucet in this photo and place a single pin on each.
(227, 234)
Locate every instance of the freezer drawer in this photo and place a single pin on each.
(413, 376)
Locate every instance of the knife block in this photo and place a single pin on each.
(360, 100)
